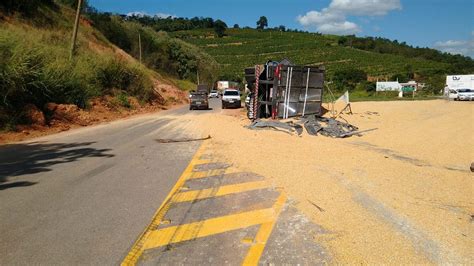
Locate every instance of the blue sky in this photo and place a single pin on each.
(447, 25)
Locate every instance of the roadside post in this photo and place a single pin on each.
(76, 26)
(140, 45)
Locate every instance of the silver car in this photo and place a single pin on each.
(465, 95)
(213, 94)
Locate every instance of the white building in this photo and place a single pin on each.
(388, 86)
(397, 86)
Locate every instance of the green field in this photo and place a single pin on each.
(246, 47)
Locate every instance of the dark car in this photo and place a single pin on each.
(198, 100)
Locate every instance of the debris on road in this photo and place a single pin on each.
(316, 205)
(328, 127)
(314, 125)
(288, 127)
(181, 140)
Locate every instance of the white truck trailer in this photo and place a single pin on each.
(457, 82)
(459, 87)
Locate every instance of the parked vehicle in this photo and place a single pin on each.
(213, 94)
(453, 95)
(231, 98)
(465, 95)
(198, 100)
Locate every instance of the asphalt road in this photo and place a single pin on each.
(84, 196)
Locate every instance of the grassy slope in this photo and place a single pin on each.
(36, 67)
(246, 47)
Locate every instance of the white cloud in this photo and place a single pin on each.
(365, 7)
(333, 19)
(318, 18)
(339, 28)
(143, 14)
(456, 47)
(328, 21)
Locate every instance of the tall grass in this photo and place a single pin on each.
(35, 68)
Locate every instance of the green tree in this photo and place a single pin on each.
(73, 3)
(348, 79)
(219, 28)
(236, 26)
(401, 77)
(342, 41)
(262, 23)
(409, 71)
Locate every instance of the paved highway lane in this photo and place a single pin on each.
(84, 196)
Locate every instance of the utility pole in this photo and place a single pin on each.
(198, 76)
(76, 27)
(140, 46)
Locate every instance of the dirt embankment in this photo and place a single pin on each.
(53, 118)
(399, 195)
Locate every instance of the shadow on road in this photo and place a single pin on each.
(36, 157)
(17, 184)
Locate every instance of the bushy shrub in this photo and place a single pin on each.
(29, 75)
(122, 99)
(113, 74)
(26, 7)
(348, 79)
(36, 71)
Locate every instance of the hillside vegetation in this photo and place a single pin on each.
(35, 69)
(246, 47)
(159, 51)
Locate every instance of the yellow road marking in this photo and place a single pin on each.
(256, 250)
(179, 233)
(137, 249)
(203, 174)
(220, 191)
(214, 172)
(152, 238)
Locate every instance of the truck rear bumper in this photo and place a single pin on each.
(199, 106)
(235, 104)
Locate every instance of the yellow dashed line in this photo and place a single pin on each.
(221, 191)
(215, 172)
(256, 250)
(175, 234)
(203, 174)
(137, 249)
(153, 237)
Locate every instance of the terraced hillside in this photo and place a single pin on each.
(246, 47)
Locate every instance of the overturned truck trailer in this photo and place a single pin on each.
(283, 90)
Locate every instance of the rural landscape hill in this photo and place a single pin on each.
(136, 61)
(241, 48)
